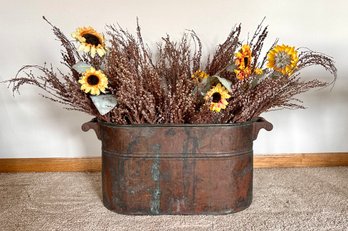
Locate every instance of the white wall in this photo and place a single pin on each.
(34, 127)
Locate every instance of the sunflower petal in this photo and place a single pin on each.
(101, 52)
(93, 51)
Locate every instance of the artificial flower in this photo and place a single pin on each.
(200, 75)
(258, 71)
(91, 41)
(93, 81)
(243, 57)
(243, 73)
(282, 58)
(217, 97)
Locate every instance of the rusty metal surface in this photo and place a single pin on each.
(177, 169)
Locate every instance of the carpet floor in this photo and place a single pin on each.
(284, 199)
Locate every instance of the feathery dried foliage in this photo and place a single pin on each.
(162, 88)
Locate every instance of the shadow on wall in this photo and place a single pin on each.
(321, 127)
(36, 127)
(68, 123)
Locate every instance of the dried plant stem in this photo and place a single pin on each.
(159, 88)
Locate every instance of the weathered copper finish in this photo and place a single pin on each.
(177, 169)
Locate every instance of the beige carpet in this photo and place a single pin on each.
(284, 199)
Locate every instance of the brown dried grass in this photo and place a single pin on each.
(159, 88)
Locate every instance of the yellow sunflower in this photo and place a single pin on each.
(91, 41)
(242, 74)
(93, 81)
(200, 75)
(243, 57)
(282, 58)
(217, 97)
(258, 71)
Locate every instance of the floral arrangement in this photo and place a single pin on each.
(120, 80)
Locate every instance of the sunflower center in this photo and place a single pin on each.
(92, 39)
(246, 61)
(282, 59)
(216, 97)
(92, 80)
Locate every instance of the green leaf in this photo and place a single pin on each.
(104, 103)
(255, 81)
(81, 67)
(226, 83)
(231, 68)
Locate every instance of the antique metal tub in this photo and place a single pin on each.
(177, 169)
